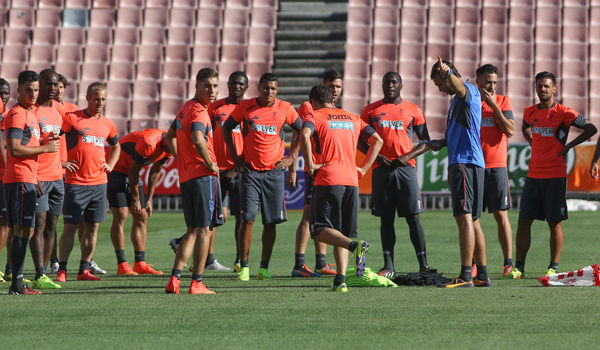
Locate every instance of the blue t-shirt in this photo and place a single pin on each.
(462, 129)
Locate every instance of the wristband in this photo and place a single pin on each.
(449, 74)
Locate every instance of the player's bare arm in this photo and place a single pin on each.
(594, 164)
(415, 152)
(240, 163)
(134, 177)
(16, 149)
(153, 176)
(382, 160)
(171, 139)
(290, 160)
(589, 130)
(375, 143)
(70, 165)
(526, 130)
(305, 147)
(453, 81)
(2, 151)
(506, 125)
(113, 157)
(202, 149)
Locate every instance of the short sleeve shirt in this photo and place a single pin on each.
(191, 117)
(219, 111)
(85, 137)
(68, 107)
(142, 147)
(21, 124)
(462, 129)
(304, 110)
(549, 132)
(395, 123)
(50, 120)
(2, 117)
(493, 140)
(263, 131)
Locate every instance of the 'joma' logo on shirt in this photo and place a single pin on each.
(98, 141)
(266, 129)
(393, 124)
(547, 132)
(489, 122)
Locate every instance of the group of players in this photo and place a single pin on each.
(230, 153)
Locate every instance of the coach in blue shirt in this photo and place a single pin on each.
(465, 171)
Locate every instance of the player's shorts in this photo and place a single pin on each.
(230, 192)
(544, 199)
(88, 202)
(496, 190)
(466, 187)
(309, 189)
(52, 199)
(119, 193)
(334, 207)
(22, 197)
(396, 189)
(264, 189)
(201, 200)
(2, 203)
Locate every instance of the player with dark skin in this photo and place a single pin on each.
(4, 236)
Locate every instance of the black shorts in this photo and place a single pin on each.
(466, 186)
(230, 192)
(496, 190)
(396, 189)
(544, 199)
(22, 197)
(86, 201)
(334, 207)
(2, 202)
(201, 200)
(264, 189)
(52, 199)
(119, 193)
(309, 188)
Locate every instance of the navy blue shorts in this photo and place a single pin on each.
(22, 198)
(544, 199)
(334, 207)
(496, 190)
(466, 186)
(264, 190)
(201, 200)
(396, 189)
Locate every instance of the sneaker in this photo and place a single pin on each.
(8, 278)
(236, 267)
(123, 269)
(507, 270)
(173, 285)
(174, 245)
(304, 271)
(387, 273)
(327, 270)
(359, 258)
(1, 274)
(2, 280)
(95, 269)
(45, 283)
(141, 268)
(87, 276)
(474, 271)
(480, 283)
(550, 271)
(244, 274)
(263, 274)
(54, 268)
(24, 291)
(61, 276)
(216, 266)
(199, 288)
(341, 288)
(457, 283)
(424, 269)
(515, 273)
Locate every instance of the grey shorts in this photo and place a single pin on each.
(21, 197)
(88, 202)
(230, 192)
(201, 200)
(2, 202)
(544, 199)
(466, 186)
(334, 207)
(496, 190)
(52, 199)
(309, 189)
(119, 193)
(264, 189)
(396, 189)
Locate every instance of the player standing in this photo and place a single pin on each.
(4, 96)
(262, 167)
(334, 210)
(395, 184)
(85, 191)
(544, 196)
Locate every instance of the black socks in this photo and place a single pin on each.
(482, 273)
(210, 258)
(520, 265)
(120, 256)
(243, 263)
(339, 279)
(417, 237)
(17, 258)
(353, 246)
(508, 262)
(264, 265)
(321, 261)
(139, 255)
(465, 273)
(83, 266)
(299, 261)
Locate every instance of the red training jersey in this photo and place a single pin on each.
(86, 136)
(142, 147)
(21, 124)
(395, 123)
(50, 120)
(219, 111)
(191, 117)
(549, 132)
(304, 110)
(493, 140)
(263, 132)
(68, 107)
(2, 130)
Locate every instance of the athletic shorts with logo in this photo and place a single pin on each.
(496, 190)
(466, 187)
(2, 202)
(396, 189)
(52, 199)
(263, 189)
(119, 193)
(88, 202)
(544, 199)
(22, 197)
(334, 207)
(230, 192)
(201, 200)
(309, 183)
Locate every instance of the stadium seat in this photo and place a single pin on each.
(523, 15)
(547, 52)
(122, 71)
(210, 3)
(387, 16)
(119, 89)
(411, 69)
(466, 52)
(442, 50)
(441, 16)
(83, 89)
(38, 66)
(195, 67)
(94, 71)
(153, 36)
(467, 33)
(205, 53)
(226, 68)
(356, 70)
(177, 53)
(359, 17)
(414, 16)
(236, 17)
(360, 3)
(549, 66)
(385, 52)
(149, 70)
(520, 34)
(439, 34)
(265, 3)
(493, 52)
(72, 36)
(14, 53)
(17, 36)
(413, 87)
(144, 109)
(50, 4)
(139, 123)
(356, 88)
(547, 34)
(177, 70)
(358, 52)
(354, 105)
(548, 15)
(150, 53)
(575, 51)
(97, 53)
(207, 35)
(163, 4)
(520, 70)
(495, 15)
(132, 17)
(145, 90)
(117, 108)
(575, 33)
(182, 18)
(48, 18)
(10, 71)
(520, 87)
(359, 35)
(121, 126)
(413, 34)
(99, 36)
(386, 35)
(468, 3)
(574, 69)
(520, 52)
(574, 87)
(436, 106)
(21, 17)
(388, 3)
(126, 36)
(235, 36)
(180, 36)
(261, 36)
(69, 53)
(42, 53)
(131, 4)
(124, 53)
(412, 52)
(493, 33)
(104, 3)
(264, 17)
(78, 4)
(169, 108)
(260, 53)
(233, 52)
(173, 89)
(210, 17)
(102, 18)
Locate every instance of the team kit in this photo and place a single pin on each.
(58, 158)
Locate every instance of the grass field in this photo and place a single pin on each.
(135, 313)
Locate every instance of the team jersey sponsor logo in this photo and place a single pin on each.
(51, 128)
(179, 126)
(265, 129)
(392, 124)
(96, 140)
(488, 122)
(338, 117)
(341, 125)
(35, 133)
(542, 131)
(237, 129)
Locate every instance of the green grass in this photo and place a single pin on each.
(135, 313)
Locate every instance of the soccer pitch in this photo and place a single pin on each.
(135, 313)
